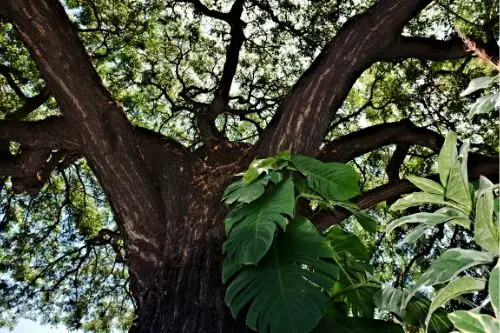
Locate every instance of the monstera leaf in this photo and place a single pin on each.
(333, 181)
(246, 192)
(354, 286)
(252, 227)
(286, 292)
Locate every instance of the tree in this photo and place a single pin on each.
(162, 102)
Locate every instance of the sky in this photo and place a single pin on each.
(28, 326)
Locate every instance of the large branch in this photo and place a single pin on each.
(425, 48)
(404, 134)
(104, 134)
(232, 56)
(50, 133)
(371, 138)
(206, 116)
(302, 120)
(395, 189)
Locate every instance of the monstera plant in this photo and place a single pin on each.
(279, 269)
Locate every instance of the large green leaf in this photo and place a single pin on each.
(286, 291)
(449, 265)
(494, 289)
(457, 188)
(421, 198)
(453, 289)
(343, 241)
(427, 185)
(368, 222)
(486, 233)
(355, 286)
(391, 299)
(478, 84)
(251, 227)
(333, 181)
(244, 192)
(429, 219)
(470, 322)
(484, 104)
(414, 234)
(356, 325)
(447, 157)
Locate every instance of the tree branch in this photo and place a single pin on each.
(206, 115)
(397, 159)
(7, 73)
(30, 105)
(301, 121)
(51, 133)
(393, 190)
(105, 136)
(403, 132)
(232, 56)
(425, 48)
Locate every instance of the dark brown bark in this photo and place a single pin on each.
(166, 200)
(307, 111)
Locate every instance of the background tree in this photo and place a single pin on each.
(123, 121)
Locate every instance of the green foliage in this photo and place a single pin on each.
(392, 299)
(459, 202)
(283, 276)
(251, 227)
(333, 181)
(487, 102)
(469, 322)
(286, 289)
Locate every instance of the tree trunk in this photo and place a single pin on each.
(188, 296)
(167, 199)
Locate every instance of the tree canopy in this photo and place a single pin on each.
(122, 122)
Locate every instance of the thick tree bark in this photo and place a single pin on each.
(166, 200)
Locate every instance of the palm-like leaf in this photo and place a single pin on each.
(286, 291)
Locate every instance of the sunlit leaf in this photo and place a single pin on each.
(494, 289)
(447, 157)
(427, 185)
(470, 322)
(453, 289)
(478, 84)
(449, 265)
(430, 219)
(484, 104)
(486, 233)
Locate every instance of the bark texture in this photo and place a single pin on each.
(165, 198)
